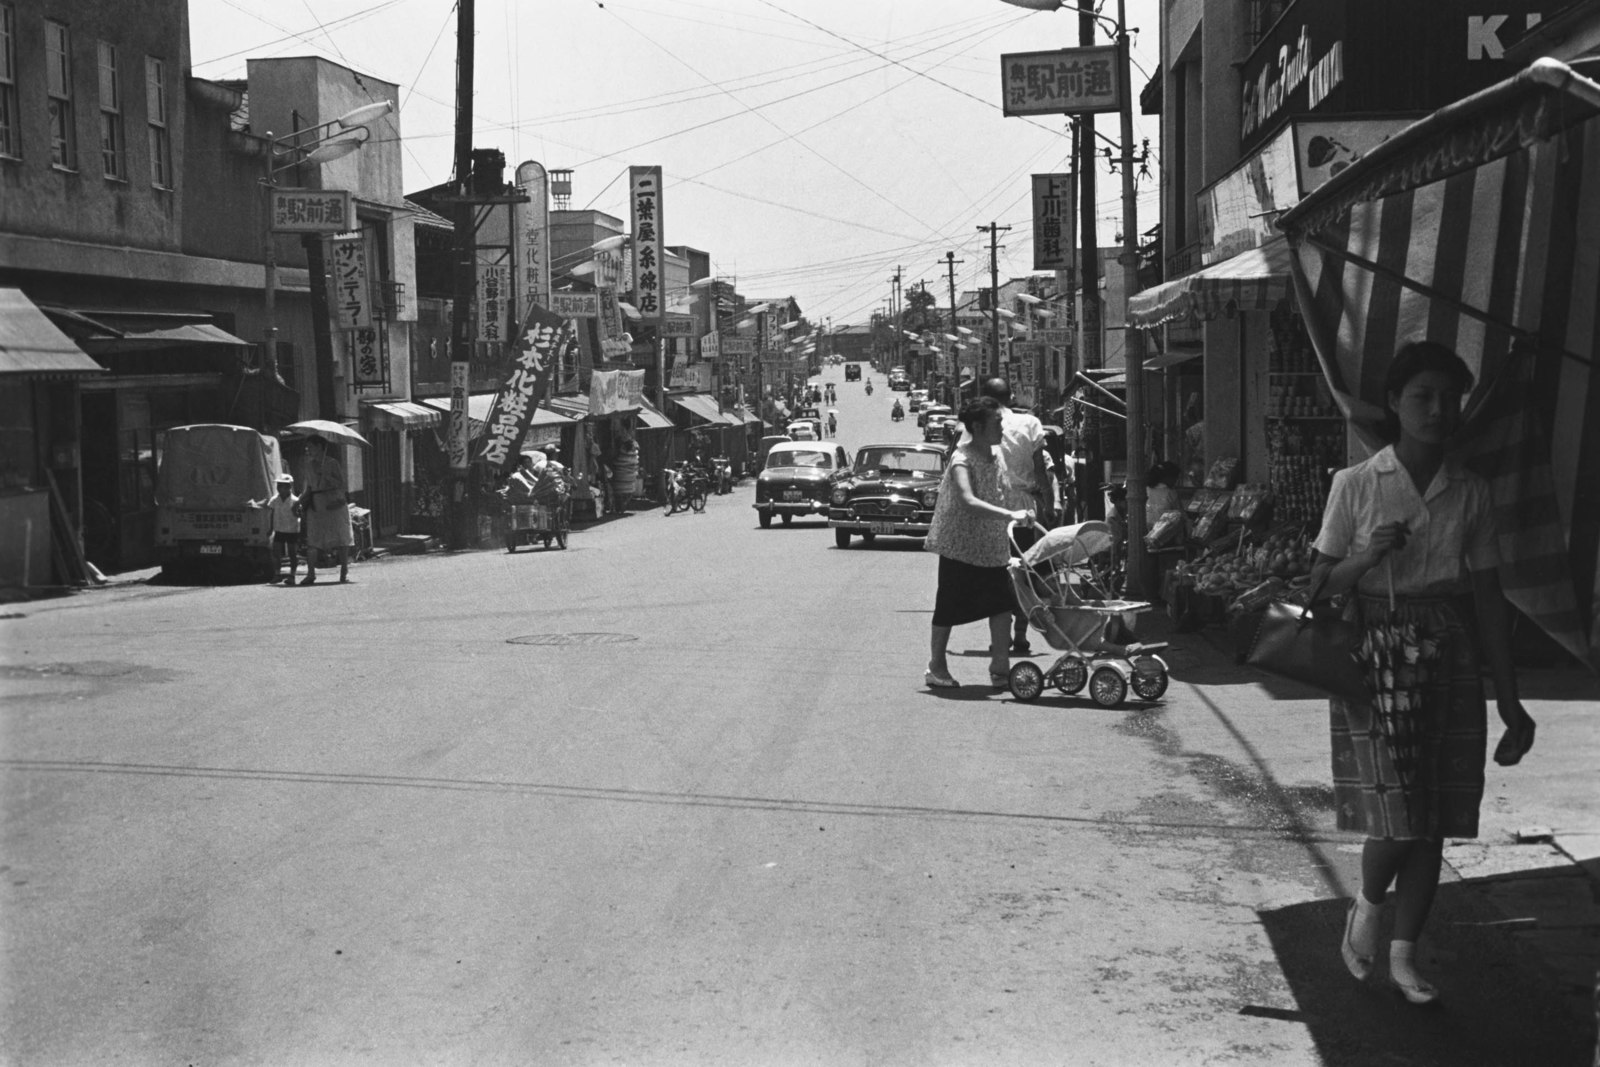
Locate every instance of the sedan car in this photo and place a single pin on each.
(916, 399)
(890, 490)
(932, 419)
(930, 411)
(798, 479)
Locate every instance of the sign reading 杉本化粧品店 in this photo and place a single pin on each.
(1067, 81)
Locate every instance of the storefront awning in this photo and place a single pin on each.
(746, 416)
(478, 405)
(401, 415)
(705, 408)
(1250, 281)
(31, 344)
(1170, 359)
(114, 330)
(651, 419)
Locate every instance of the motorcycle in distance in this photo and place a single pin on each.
(897, 412)
(869, 387)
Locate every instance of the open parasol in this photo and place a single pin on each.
(338, 433)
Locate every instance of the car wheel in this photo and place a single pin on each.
(787, 518)
(841, 537)
(868, 538)
(765, 518)
(1107, 687)
(1026, 680)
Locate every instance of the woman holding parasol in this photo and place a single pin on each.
(327, 511)
(1411, 533)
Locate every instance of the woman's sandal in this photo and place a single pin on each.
(999, 681)
(1417, 991)
(934, 680)
(1359, 966)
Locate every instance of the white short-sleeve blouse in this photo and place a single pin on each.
(1452, 525)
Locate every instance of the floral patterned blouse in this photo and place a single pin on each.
(959, 532)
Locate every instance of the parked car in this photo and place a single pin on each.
(931, 418)
(899, 385)
(915, 400)
(803, 431)
(798, 479)
(806, 416)
(890, 490)
(765, 446)
(927, 411)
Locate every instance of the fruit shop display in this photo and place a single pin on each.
(1227, 571)
(1305, 431)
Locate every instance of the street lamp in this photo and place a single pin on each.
(1133, 345)
(316, 144)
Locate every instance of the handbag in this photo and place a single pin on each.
(1311, 643)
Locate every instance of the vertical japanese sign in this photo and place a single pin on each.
(459, 432)
(1070, 81)
(545, 338)
(613, 345)
(367, 363)
(1053, 233)
(492, 295)
(349, 297)
(531, 222)
(615, 390)
(649, 274)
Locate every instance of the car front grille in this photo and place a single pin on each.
(885, 509)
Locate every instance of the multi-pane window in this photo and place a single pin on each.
(58, 88)
(113, 151)
(155, 109)
(10, 132)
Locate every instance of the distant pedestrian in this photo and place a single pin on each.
(327, 511)
(833, 424)
(969, 534)
(285, 508)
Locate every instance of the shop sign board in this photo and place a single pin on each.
(610, 313)
(1067, 81)
(312, 210)
(544, 340)
(532, 224)
(459, 430)
(368, 365)
(711, 346)
(615, 390)
(575, 305)
(1053, 232)
(677, 326)
(1236, 212)
(695, 377)
(738, 346)
(1059, 336)
(349, 295)
(493, 290)
(649, 263)
(1324, 147)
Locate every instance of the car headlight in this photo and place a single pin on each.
(841, 495)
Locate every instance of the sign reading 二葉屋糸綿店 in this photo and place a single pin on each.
(649, 268)
(544, 340)
(311, 210)
(1066, 81)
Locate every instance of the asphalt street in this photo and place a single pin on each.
(677, 796)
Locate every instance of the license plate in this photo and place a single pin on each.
(882, 527)
(211, 550)
(793, 494)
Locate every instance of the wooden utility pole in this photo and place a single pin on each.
(465, 276)
(894, 312)
(994, 294)
(1090, 354)
(950, 262)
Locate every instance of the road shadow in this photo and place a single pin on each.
(1501, 1004)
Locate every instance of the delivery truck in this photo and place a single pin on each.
(211, 488)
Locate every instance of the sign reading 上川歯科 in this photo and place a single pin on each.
(1064, 82)
(311, 210)
(576, 305)
(649, 265)
(544, 339)
(349, 298)
(1053, 233)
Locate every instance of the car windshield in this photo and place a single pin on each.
(798, 458)
(900, 460)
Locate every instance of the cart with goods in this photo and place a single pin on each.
(546, 516)
(1060, 586)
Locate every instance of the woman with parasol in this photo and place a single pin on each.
(327, 511)
(1410, 532)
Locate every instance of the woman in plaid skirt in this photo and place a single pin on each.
(1410, 534)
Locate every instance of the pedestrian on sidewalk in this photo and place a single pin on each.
(1403, 528)
(968, 532)
(285, 508)
(326, 510)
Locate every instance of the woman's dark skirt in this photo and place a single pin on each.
(968, 593)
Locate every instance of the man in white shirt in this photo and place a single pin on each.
(1026, 481)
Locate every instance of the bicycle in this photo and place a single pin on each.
(697, 485)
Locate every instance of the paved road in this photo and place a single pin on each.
(673, 796)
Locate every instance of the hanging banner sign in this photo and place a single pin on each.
(610, 314)
(312, 211)
(1053, 204)
(456, 445)
(531, 224)
(349, 296)
(367, 363)
(493, 279)
(575, 305)
(738, 346)
(649, 264)
(677, 326)
(1069, 81)
(615, 390)
(711, 346)
(545, 338)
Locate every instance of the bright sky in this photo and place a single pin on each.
(810, 146)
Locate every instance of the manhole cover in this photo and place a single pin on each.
(573, 639)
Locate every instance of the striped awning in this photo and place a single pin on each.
(1475, 227)
(480, 404)
(1254, 280)
(32, 345)
(400, 415)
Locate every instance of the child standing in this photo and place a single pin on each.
(285, 508)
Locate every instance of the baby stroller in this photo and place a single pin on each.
(1069, 606)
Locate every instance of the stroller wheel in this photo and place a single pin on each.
(1149, 686)
(1072, 676)
(1026, 680)
(1107, 687)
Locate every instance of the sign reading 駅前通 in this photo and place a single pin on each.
(311, 210)
(1067, 81)
(576, 305)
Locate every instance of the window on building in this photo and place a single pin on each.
(155, 109)
(10, 130)
(58, 87)
(113, 143)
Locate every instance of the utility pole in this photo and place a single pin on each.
(465, 279)
(1089, 354)
(894, 313)
(950, 262)
(994, 292)
(1133, 345)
